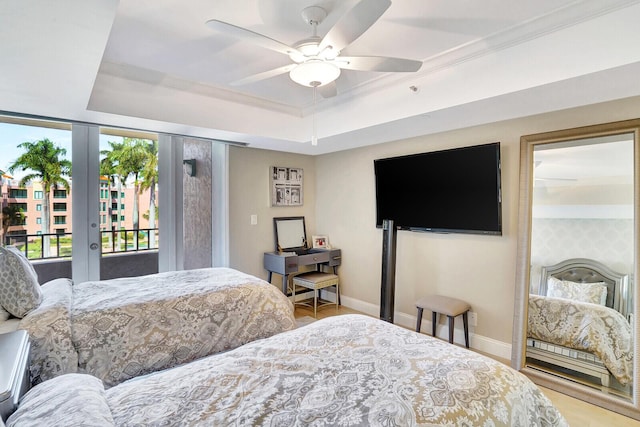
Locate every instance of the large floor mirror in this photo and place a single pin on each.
(575, 327)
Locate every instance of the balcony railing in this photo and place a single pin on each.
(60, 246)
(116, 241)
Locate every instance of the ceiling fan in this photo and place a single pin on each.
(542, 180)
(316, 60)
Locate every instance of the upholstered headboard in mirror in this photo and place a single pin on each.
(583, 270)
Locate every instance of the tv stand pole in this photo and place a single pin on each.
(388, 284)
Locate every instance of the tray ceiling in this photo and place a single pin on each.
(156, 65)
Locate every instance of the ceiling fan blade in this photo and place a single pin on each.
(264, 75)
(250, 36)
(377, 63)
(329, 90)
(354, 23)
(555, 179)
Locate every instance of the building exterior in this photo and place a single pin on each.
(116, 207)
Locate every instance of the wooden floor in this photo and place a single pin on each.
(576, 412)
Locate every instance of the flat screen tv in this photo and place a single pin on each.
(448, 191)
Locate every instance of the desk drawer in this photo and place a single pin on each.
(335, 257)
(314, 258)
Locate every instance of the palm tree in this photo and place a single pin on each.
(11, 215)
(47, 164)
(149, 180)
(129, 159)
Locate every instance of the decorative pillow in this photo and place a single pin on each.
(17, 252)
(595, 293)
(19, 287)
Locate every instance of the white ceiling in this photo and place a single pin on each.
(605, 161)
(155, 65)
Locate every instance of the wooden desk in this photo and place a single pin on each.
(286, 263)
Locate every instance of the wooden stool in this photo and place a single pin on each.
(316, 280)
(452, 307)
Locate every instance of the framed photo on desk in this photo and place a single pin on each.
(320, 242)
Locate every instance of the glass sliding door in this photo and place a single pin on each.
(103, 222)
(128, 203)
(35, 192)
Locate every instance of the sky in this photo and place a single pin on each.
(12, 135)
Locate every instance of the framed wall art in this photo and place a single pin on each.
(286, 186)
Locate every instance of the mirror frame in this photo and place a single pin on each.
(518, 357)
(284, 219)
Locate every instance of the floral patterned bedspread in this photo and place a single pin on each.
(349, 370)
(49, 328)
(595, 328)
(122, 328)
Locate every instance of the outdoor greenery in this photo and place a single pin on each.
(132, 159)
(11, 215)
(135, 159)
(45, 162)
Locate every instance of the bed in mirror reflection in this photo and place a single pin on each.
(578, 325)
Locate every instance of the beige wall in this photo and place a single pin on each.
(249, 194)
(479, 269)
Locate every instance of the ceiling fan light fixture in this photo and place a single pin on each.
(314, 73)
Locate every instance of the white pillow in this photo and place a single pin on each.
(595, 293)
(19, 288)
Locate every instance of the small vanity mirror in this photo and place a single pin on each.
(574, 328)
(290, 234)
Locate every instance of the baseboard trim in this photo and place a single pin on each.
(477, 342)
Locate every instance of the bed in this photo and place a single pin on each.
(122, 328)
(579, 321)
(347, 370)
